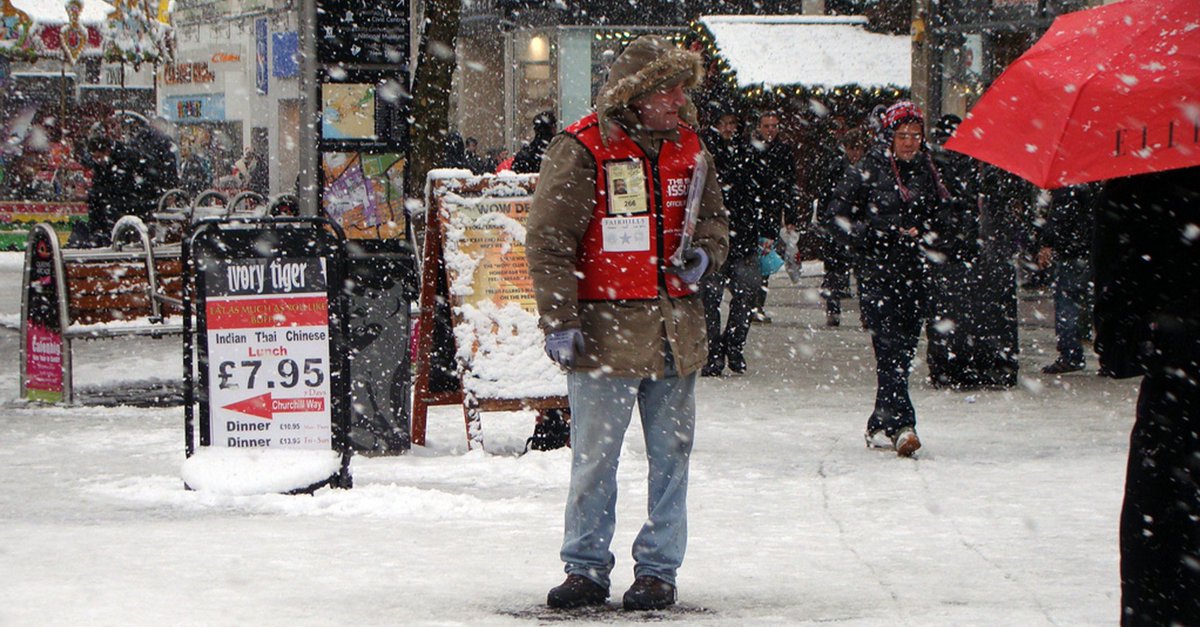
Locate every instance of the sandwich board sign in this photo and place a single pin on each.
(270, 377)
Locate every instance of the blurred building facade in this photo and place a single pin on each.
(234, 84)
(961, 46)
(517, 58)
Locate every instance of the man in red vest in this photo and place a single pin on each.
(626, 322)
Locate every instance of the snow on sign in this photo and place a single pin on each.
(499, 344)
(270, 375)
(268, 353)
(476, 261)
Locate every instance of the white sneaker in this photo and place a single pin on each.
(878, 439)
(907, 442)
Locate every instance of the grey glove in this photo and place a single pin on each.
(695, 262)
(564, 346)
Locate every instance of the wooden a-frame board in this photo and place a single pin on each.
(442, 369)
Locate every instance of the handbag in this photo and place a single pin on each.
(769, 261)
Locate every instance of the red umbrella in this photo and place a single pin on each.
(1106, 92)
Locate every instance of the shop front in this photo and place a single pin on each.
(560, 69)
(65, 69)
(204, 133)
(961, 46)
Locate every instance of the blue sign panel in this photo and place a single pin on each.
(285, 55)
(261, 71)
(200, 108)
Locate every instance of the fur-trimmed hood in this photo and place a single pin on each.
(646, 65)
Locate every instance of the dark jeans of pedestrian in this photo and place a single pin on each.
(743, 280)
(1072, 289)
(836, 284)
(893, 315)
(1160, 535)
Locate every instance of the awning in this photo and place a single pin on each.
(809, 50)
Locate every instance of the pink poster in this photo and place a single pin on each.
(43, 363)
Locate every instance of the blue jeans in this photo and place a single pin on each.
(601, 408)
(1072, 284)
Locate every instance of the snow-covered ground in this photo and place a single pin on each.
(1009, 516)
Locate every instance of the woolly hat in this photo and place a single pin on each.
(648, 64)
(903, 112)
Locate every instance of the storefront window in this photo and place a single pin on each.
(535, 80)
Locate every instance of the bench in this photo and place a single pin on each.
(132, 288)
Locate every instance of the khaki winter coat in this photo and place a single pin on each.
(622, 338)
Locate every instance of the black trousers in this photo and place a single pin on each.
(836, 284)
(743, 280)
(1160, 518)
(893, 312)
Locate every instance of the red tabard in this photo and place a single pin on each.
(634, 272)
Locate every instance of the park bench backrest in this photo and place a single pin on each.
(107, 291)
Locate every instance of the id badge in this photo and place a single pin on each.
(626, 235)
(626, 187)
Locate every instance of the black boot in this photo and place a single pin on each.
(1063, 366)
(737, 363)
(649, 593)
(552, 431)
(714, 367)
(576, 591)
(833, 312)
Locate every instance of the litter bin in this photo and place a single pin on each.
(381, 282)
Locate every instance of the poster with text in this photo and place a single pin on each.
(268, 341)
(44, 350)
(485, 249)
(499, 347)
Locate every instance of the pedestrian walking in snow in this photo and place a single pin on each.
(626, 324)
(972, 329)
(837, 258)
(773, 189)
(1148, 323)
(891, 202)
(529, 158)
(112, 193)
(1066, 244)
(740, 273)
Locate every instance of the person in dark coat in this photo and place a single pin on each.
(454, 153)
(528, 159)
(1147, 315)
(155, 167)
(836, 257)
(195, 172)
(973, 326)
(477, 163)
(889, 206)
(773, 189)
(1066, 243)
(111, 194)
(740, 273)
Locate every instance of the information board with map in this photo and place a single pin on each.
(348, 111)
